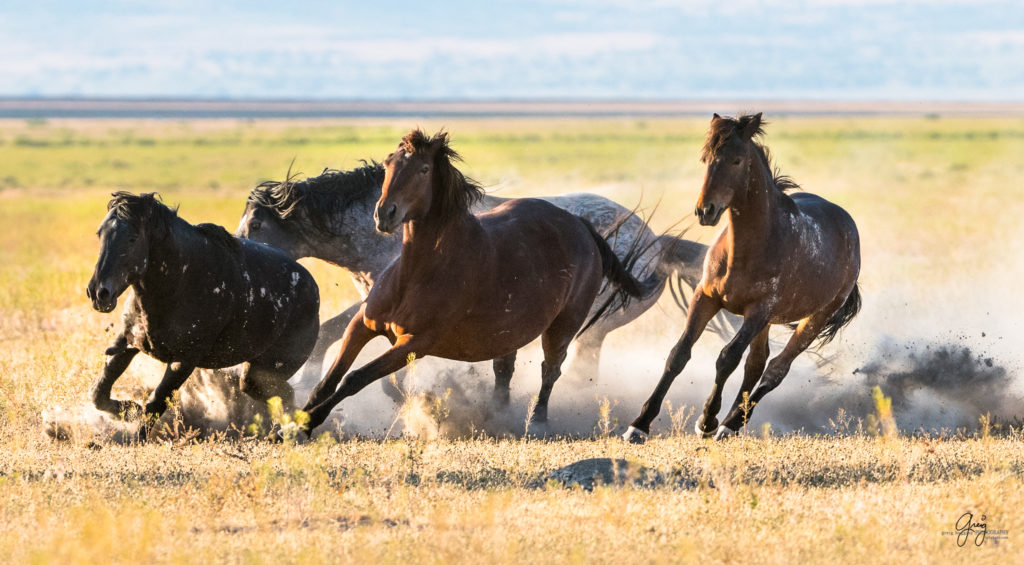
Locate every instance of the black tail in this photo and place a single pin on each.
(619, 273)
(843, 315)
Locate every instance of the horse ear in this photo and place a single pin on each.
(753, 125)
(716, 117)
(438, 142)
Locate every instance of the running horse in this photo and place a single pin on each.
(472, 288)
(328, 217)
(202, 298)
(782, 259)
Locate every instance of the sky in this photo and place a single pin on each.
(971, 50)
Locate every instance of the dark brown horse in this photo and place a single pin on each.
(471, 288)
(782, 259)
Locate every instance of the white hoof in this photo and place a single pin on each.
(700, 432)
(723, 433)
(634, 435)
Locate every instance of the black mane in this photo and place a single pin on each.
(219, 236)
(148, 211)
(322, 196)
(723, 129)
(140, 210)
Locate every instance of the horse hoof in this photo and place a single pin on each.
(699, 428)
(635, 436)
(538, 429)
(723, 433)
(291, 433)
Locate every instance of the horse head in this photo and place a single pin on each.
(421, 181)
(124, 247)
(728, 154)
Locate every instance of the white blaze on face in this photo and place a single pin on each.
(244, 221)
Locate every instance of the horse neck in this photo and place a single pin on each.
(430, 241)
(353, 244)
(168, 263)
(755, 213)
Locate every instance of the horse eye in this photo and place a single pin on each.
(425, 169)
(255, 225)
(737, 161)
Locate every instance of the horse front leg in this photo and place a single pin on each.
(702, 309)
(392, 360)
(174, 376)
(357, 335)
(330, 331)
(753, 324)
(120, 356)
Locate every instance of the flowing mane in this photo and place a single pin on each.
(723, 129)
(147, 210)
(321, 197)
(454, 192)
(142, 209)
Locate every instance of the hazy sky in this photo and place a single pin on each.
(832, 49)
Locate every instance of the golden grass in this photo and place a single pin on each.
(923, 191)
(771, 500)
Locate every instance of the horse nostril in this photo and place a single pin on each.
(103, 293)
(709, 210)
(391, 211)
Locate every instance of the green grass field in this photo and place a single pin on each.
(938, 202)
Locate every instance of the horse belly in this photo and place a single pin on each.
(487, 337)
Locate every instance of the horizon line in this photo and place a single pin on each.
(22, 107)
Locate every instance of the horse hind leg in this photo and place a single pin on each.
(555, 343)
(585, 357)
(503, 369)
(757, 357)
(261, 384)
(778, 368)
(753, 325)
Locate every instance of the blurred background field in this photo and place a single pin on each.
(938, 201)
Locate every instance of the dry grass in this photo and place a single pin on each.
(855, 498)
(850, 500)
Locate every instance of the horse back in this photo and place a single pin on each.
(229, 303)
(509, 273)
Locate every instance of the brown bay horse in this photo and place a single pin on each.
(782, 259)
(471, 288)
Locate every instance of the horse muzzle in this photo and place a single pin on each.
(386, 218)
(709, 214)
(103, 298)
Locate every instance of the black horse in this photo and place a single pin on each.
(202, 298)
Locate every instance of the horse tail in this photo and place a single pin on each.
(841, 317)
(682, 262)
(619, 273)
